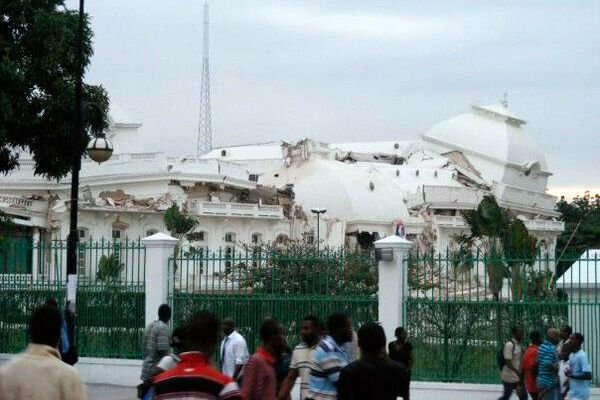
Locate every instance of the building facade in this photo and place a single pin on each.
(258, 194)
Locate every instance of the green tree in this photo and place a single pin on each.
(302, 269)
(38, 67)
(504, 241)
(6, 224)
(488, 224)
(179, 224)
(520, 250)
(582, 228)
(109, 268)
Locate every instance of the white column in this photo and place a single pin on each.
(393, 283)
(159, 248)
(35, 253)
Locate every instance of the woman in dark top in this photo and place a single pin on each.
(400, 350)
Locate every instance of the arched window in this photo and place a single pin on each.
(83, 248)
(309, 238)
(256, 238)
(229, 249)
(282, 239)
(199, 236)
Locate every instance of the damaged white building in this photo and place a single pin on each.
(371, 189)
(264, 193)
(126, 197)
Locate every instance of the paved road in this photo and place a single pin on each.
(103, 392)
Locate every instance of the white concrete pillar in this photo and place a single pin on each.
(35, 253)
(159, 248)
(393, 283)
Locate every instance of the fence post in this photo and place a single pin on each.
(391, 254)
(159, 248)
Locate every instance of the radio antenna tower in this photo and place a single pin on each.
(204, 127)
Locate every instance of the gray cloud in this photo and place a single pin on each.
(351, 70)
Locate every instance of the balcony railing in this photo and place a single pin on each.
(523, 197)
(244, 210)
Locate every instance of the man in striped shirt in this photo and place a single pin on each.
(329, 359)
(194, 377)
(547, 361)
(302, 358)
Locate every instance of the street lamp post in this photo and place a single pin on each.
(99, 150)
(318, 211)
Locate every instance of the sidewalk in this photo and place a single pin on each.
(103, 392)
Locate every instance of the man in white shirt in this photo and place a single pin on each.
(234, 352)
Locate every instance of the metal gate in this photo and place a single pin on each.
(289, 284)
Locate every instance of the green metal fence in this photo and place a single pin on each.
(460, 308)
(110, 295)
(289, 284)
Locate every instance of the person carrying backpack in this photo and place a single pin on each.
(529, 365)
(510, 374)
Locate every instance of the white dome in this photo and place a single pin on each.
(488, 132)
(349, 192)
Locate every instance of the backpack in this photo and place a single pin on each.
(500, 360)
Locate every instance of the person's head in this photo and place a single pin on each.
(536, 337)
(310, 329)
(553, 335)
(271, 334)
(517, 333)
(52, 302)
(202, 333)
(44, 326)
(228, 326)
(164, 313)
(401, 334)
(371, 340)
(576, 341)
(179, 338)
(565, 332)
(339, 327)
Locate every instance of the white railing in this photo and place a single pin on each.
(446, 196)
(532, 225)
(15, 201)
(544, 225)
(523, 197)
(450, 221)
(237, 209)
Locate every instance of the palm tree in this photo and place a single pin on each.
(488, 225)
(505, 243)
(520, 250)
(180, 225)
(109, 268)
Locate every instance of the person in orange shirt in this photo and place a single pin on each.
(529, 364)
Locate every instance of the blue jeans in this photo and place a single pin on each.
(552, 394)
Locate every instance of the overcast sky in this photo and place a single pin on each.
(355, 70)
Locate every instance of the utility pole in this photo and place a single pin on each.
(99, 149)
(73, 238)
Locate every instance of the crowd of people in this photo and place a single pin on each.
(331, 361)
(551, 368)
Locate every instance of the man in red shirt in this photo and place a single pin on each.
(260, 382)
(529, 364)
(194, 377)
